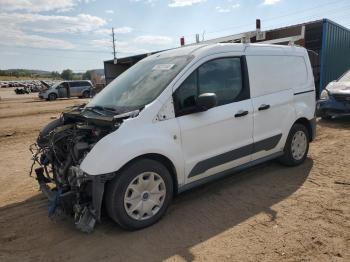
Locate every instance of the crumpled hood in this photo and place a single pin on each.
(339, 88)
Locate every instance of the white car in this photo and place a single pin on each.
(173, 121)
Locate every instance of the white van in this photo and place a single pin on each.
(64, 89)
(175, 120)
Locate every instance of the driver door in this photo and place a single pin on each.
(222, 137)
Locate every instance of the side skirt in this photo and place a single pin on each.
(228, 172)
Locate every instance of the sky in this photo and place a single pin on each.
(58, 34)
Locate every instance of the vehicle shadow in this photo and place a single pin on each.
(193, 218)
(338, 122)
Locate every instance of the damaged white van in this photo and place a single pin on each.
(175, 120)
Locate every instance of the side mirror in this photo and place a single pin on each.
(206, 101)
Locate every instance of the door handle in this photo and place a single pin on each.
(264, 107)
(241, 113)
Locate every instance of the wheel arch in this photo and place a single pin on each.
(307, 123)
(161, 159)
(52, 93)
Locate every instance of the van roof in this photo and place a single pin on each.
(207, 49)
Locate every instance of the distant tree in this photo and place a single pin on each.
(67, 74)
(77, 76)
(55, 74)
(87, 75)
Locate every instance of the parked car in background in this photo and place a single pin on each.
(81, 88)
(173, 121)
(335, 98)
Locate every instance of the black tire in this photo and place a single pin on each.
(52, 97)
(86, 94)
(116, 189)
(288, 158)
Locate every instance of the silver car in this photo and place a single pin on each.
(81, 88)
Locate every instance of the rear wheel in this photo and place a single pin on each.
(52, 97)
(140, 195)
(297, 146)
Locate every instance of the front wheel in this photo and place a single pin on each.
(297, 146)
(52, 97)
(140, 194)
(86, 94)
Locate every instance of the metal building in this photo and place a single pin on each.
(328, 44)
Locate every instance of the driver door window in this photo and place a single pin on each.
(221, 76)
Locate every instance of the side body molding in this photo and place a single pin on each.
(266, 144)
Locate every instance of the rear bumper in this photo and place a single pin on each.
(332, 107)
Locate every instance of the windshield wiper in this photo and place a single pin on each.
(97, 109)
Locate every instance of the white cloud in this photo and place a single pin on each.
(117, 30)
(15, 37)
(122, 47)
(270, 2)
(40, 5)
(153, 40)
(123, 30)
(108, 43)
(22, 29)
(152, 2)
(103, 31)
(223, 10)
(181, 3)
(109, 11)
(36, 5)
(52, 23)
(86, 1)
(227, 9)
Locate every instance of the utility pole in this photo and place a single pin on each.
(114, 55)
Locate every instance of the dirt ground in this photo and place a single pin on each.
(267, 213)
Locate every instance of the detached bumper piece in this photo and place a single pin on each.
(82, 200)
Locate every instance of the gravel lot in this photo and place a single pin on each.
(267, 213)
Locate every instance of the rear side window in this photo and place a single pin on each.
(223, 76)
(84, 84)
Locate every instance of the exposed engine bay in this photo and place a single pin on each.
(60, 148)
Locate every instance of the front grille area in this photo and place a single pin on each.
(342, 98)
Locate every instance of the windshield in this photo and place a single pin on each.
(55, 85)
(140, 84)
(345, 77)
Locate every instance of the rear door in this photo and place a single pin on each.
(221, 137)
(271, 78)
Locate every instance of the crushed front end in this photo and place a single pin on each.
(60, 148)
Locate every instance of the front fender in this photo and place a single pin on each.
(130, 141)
